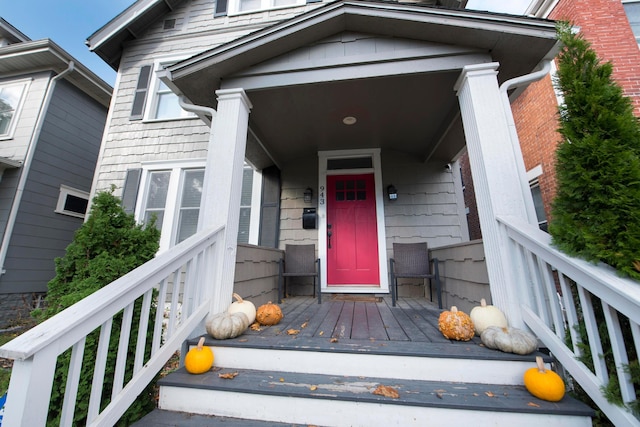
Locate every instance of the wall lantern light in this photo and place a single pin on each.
(308, 195)
(392, 192)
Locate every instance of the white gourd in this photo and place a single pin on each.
(226, 325)
(509, 340)
(243, 306)
(485, 315)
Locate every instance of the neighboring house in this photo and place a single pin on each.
(52, 116)
(613, 29)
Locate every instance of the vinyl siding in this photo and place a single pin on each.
(427, 208)
(16, 147)
(128, 143)
(66, 154)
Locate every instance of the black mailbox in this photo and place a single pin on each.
(309, 218)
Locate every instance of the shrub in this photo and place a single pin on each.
(596, 213)
(107, 246)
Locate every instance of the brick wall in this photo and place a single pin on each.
(605, 24)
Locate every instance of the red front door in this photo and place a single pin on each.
(352, 236)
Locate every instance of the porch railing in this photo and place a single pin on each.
(175, 284)
(580, 311)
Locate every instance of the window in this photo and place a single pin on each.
(632, 8)
(11, 99)
(242, 6)
(538, 204)
(536, 193)
(172, 196)
(72, 202)
(162, 103)
(172, 192)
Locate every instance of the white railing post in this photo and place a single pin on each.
(31, 381)
(222, 187)
(498, 189)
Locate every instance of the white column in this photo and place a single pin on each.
(495, 178)
(222, 188)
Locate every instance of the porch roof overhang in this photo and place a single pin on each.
(412, 107)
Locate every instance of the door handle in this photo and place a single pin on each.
(329, 234)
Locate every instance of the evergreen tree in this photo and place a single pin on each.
(596, 212)
(107, 246)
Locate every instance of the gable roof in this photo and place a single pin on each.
(107, 42)
(45, 55)
(517, 43)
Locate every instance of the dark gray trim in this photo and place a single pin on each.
(270, 208)
(130, 190)
(140, 97)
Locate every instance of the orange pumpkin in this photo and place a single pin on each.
(456, 325)
(543, 383)
(199, 359)
(269, 314)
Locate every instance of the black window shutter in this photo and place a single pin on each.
(130, 190)
(140, 97)
(221, 7)
(270, 208)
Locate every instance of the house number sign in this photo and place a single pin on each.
(321, 195)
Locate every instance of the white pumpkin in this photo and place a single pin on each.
(226, 325)
(243, 306)
(509, 340)
(485, 315)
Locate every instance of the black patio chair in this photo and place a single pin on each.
(299, 261)
(411, 260)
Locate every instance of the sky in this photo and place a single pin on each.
(70, 22)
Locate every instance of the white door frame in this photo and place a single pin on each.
(324, 156)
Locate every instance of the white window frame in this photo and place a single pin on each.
(172, 204)
(18, 109)
(234, 6)
(637, 36)
(533, 177)
(154, 92)
(66, 191)
(168, 234)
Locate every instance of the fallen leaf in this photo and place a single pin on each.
(281, 380)
(293, 331)
(256, 327)
(488, 393)
(313, 388)
(386, 391)
(242, 340)
(304, 325)
(333, 340)
(535, 405)
(321, 333)
(439, 395)
(228, 376)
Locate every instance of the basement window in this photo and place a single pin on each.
(72, 202)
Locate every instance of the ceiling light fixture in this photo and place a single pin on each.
(349, 120)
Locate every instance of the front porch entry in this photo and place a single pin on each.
(351, 234)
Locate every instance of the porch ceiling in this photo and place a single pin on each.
(414, 111)
(404, 113)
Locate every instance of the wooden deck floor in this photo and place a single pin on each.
(409, 328)
(413, 319)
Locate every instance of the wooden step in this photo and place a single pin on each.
(457, 362)
(160, 418)
(336, 400)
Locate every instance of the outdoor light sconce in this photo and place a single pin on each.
(308, 195)
(392, 192)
